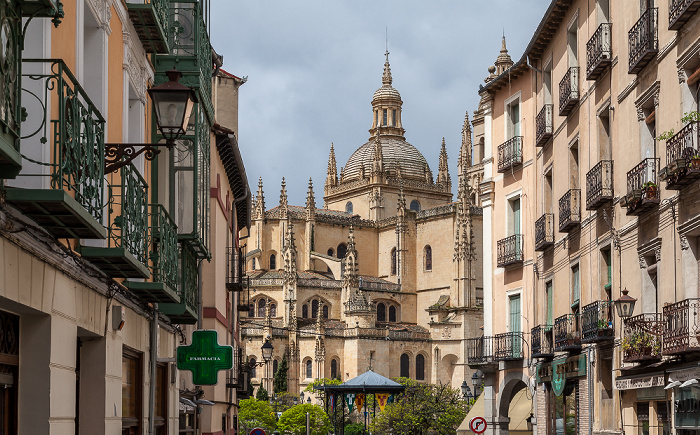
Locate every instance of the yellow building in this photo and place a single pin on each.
(590, 187)
(386, 275)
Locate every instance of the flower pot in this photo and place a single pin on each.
(651, 192)
(695, 163)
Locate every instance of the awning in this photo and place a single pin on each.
(519, 410)
(477, 409)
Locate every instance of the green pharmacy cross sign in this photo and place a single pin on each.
(204, 357)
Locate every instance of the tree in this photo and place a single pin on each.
(262, 394)
(256, 413)
(279, 384)
(422, 408)
(323, 381)
(293, 420)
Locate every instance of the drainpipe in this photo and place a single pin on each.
(590, 391)
(153, 362)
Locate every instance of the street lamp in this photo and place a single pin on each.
(625, 305)
(267, 350)
(475, 382)
(308, 400)
(301, 396)
(465, 388)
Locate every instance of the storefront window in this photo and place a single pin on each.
(687, 412)
(663, 418)
(564, 410)
(643, 418)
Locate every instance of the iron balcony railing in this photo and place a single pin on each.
(570, 210)
(566, 333)
(544, 232)
(568, 91)
(509, 346)
(599, 185)
(510, 154)
(643, 40)
(150, 19)
(510, 250)
(682, 325)
(480, 351)
(164, 247)
(599, 51)
(682, 157)
(544, 124)
(542, 342)
(597, 321)
(680, 11)
(639, 343)
(642, 188)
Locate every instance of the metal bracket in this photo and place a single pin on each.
(121, 154)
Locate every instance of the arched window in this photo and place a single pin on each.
(253, 368)
(334, 369)
(330, 252)
(342, 250)
(253, 263)
(309, 373)
(381, 312)
(304, 311)
(405, 363)
(261, 307)
(273, 262)
(415, 205)
(428, 258)
(420, 367)
(325, 311)
(348, 207)
(392, 313)
(314, 308)
(273, 310)
(393, 261)
(251, 310)
(275, 365)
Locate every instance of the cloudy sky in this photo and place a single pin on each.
(313, 66)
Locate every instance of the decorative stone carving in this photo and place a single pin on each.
(640, 114)
(642, 262)
(685, 245)
(656, 97)
(681, 75)
(657, 254)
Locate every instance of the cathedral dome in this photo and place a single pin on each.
(397, 154)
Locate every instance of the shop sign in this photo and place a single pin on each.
(684, 375)
(558, 371)
(641, 382)
(204, 357)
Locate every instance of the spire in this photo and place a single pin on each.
(310, 201)
(332, 177)
(503, 61)
(259, 209)
(289, 254)
(378, 160)
(351, 240)
(465, 153)
(443, 168)
(386, 77)
(401, 204)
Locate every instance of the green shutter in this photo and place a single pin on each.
(550, 303)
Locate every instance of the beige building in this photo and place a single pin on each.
(585, 196)
(103, 238)
(386, 275)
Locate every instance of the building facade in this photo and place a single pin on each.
(591, 188)
(104, 238)
(386, 275)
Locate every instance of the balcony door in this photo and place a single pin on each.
(515, 323)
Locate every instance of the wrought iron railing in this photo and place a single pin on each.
(639, 343)
(541, 341)
(566, 333)
(509, 346)
(643, 40)
(568, 91)
(682, 157)
(570, 210)
(597, 321)
(164, 248)
(480, 350)
(544, 231)
(680, 11)
(544, 124)
(510, 153)
(76, 128)
(510, 250)
(682, 325)
(599, 51)
(599, 184)
(642, 187)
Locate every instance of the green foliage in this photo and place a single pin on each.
(354, 429)
(422, 408)
(262, 394)
(279, 384)
(692, 116)
(323, 381)
(256, 413)
(293, 420)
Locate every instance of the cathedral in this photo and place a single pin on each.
(385, 276)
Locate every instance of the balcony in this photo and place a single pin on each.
(43, 8)
(682, 325)
(566, 333)
(544, 232)
(164, 257)
(509, 346)
(544, 125)
(642, 189)
(62, 186)
(638, 343)
(599, 52)
(11, 90)
(510, 154)
(126, 252)
(597, 322)
(680, 11)
(643, 40)
(599, 185)
(568, 91)
(480, 351)
(510, 251)
(234, 269)
(185, 312)
(570, 210)
(542, 342)
(682, 158)
(150, 19)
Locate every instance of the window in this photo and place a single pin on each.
(273, 262)
(251, 310)
(575, 286)
(513, 121)
(564, 409)
(131, 392)
(325, 311)
(415, 205)
(547, 83)
(261, 307)
(393, 118)
(550, 304)
(348, 207)
(275, 366)
(393, 261)
(663, 418)
(273, 310)
(514, 323)
(381, 312)
(253, 368)
(334, 369)
(342, 250)
(548, 195)
(428, 261)
(330, 252)
(405, 363)
(606, 274)
(573, 166)
(572, 45)
(304, 311)
(309, 368)
(420, 367)
(253, 263)
(392, 313)
(514, 217)
(643, 418)
(384, 119)
(314, 308)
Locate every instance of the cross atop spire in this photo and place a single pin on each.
(386, 77)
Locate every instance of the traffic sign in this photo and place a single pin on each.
(258, 431)
(204, 358)
(477, 425)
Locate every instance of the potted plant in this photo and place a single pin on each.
(695, 160)
(650, 189)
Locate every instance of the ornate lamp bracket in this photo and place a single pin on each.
(653, 327)
(121, 154)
